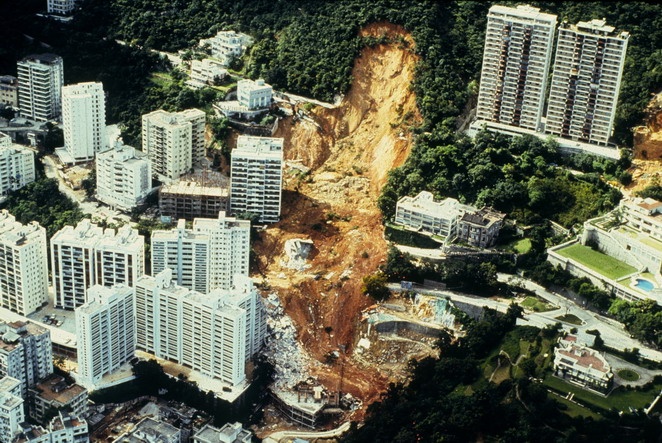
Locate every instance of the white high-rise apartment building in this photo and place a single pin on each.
(516, 60)
(106, 332)
(11, 409)
(205, 257)
(64, 428)
(214, 334)
(257, 177)
(61, 7)
(89, 255)
(586, 81)
(84, 121)
(124, 177)
(23, 265)
(16, 168)
(40, 80)
(173, 142)
(254, 94)
(185, 252)
(5, 140)
(26, 353)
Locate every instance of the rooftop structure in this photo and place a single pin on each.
(55, 392)
(229, 433)
(5, 140)
(64, 428)
(149, 430)
(40, 80)
(124, 176)
(23, 265)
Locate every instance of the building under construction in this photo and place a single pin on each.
(202, 194)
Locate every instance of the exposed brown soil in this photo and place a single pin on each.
(350, 150)
(647, 165)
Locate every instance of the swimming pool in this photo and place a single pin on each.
(644, 285)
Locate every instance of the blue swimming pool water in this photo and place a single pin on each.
(644, 284)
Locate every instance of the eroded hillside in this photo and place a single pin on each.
(349, 150)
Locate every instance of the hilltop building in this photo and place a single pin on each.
(40, 80)
(88, 255)
(516, 60)
(449, 219)
(16, 167)
(25, 353)
(213, 334)
(106, 331)
(61, 7)
(257, 177)
(254, 94)
(582, 365)
(124, 177)
(205, 257)
(23, 265)
(206, 72)
(84, 122)
(588, 67)
(227, 45)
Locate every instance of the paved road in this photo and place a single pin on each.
(422, 252)
(276, 437)
(613, 333)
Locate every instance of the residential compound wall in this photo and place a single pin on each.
(88, 255)
(16, 168)
(205, 257)
(257, 177)
(449, 219)
(516, 60)
(214, 334)
(588, 66)
(173, 142)
(25, 353)
(23, 265)
(84, 121)
(106, 332)
(40, 80)
(124, 177)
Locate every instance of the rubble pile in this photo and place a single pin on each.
(297, 251)
(283, 350)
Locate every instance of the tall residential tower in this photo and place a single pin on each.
(516, 60)
(586, 81)
(40, 79)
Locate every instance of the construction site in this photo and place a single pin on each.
(200, 194)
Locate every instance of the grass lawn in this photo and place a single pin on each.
(619, 398)
(628, 375)
(602, 263)
(535, 304)
(570, 318)
(574, 410)
(522, 246)
(161, 79)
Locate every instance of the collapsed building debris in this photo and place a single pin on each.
(297, 251)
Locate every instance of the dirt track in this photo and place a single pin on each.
(350, 150)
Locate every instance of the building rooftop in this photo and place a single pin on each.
(149, 430)
(523, 11)
(267, 147)
(55, 388)
(42, 58)
(9, 401)
(585, 357)
(15, 233)
(425, 203)
(195, 188)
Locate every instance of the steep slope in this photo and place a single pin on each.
(350, 150)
